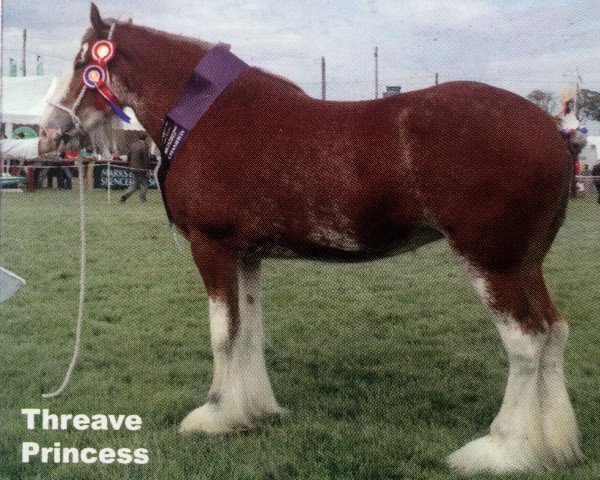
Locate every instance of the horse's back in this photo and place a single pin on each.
(482, 165)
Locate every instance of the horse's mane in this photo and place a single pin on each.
(281, 80)
(205, 46)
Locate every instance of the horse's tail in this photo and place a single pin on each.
(561, 212)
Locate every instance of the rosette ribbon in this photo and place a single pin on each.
(94, 77)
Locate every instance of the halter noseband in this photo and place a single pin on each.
(95, 77)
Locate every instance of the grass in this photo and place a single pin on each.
(386, 367)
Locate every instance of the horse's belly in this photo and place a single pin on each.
(338, 247)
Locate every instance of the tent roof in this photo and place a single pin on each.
(589, 156)
(25, 99)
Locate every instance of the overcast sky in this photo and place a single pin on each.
(520, 45)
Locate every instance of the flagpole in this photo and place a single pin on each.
(24, 65)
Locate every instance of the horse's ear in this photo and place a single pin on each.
(96, 19)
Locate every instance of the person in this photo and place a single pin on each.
(52, 173)
(596, 175)
(70, 152)
(87, 151)
(138, 159)
(40, 174)
(55, 171)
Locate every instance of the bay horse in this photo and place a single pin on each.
(269, 172)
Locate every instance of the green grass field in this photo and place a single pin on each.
(385, 367)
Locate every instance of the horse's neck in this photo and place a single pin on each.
(160, 65)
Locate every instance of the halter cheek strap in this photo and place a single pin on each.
(111, 31)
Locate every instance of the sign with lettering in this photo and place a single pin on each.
(120, 177)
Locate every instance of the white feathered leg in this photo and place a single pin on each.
(535, 428)
(558, 418)
(241, 392)
(515, 441)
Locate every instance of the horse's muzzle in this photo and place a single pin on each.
(56, 125)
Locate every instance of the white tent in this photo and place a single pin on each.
(591, 151)
(135, 124)
(24, 100)
(18, 149)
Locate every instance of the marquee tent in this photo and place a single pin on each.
(24, 99)
(592, 157)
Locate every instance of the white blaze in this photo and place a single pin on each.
(84, 49)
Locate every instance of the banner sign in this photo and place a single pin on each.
(119, 177)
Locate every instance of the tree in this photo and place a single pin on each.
(588, 104)
(547, 101)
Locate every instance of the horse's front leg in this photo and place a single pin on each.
(241, 392)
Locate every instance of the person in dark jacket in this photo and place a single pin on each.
(71, 153)
(596, 175)
(138, 159)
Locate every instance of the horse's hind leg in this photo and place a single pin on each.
(240, 393)
(535, 428)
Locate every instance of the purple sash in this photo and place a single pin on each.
(215, 72)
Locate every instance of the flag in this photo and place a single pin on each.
(39, 66)
(12, 69)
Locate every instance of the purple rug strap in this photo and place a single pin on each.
(215, 72)
(212, 75)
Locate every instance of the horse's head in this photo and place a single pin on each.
(77, 107)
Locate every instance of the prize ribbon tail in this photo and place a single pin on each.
(120, 113)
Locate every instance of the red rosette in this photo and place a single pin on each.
(103, 51)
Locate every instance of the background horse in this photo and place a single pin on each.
(271, 172)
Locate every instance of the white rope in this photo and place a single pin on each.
(176, 239)
(109, 181)
(112, 31)
(60, 163)
(79, 326)
(590, 177)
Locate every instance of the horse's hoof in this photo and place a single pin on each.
(562, 440)
(210, 418)
(494, 455)
(213, 418)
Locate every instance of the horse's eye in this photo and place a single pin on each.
(79, 65)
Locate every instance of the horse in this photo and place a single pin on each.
(269, 172)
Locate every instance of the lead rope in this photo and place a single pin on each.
(77, 347)
(82, 262)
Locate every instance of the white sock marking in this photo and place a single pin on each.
(241, 391)
(535, 428)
